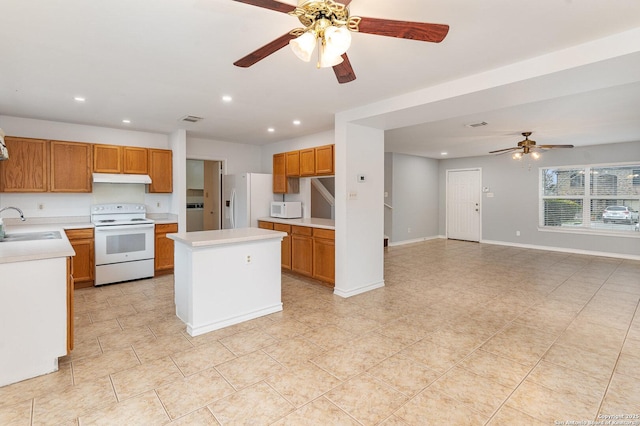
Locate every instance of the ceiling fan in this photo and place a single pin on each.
(328, 24)
(527, 146)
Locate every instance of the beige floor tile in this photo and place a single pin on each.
(30, 388)
(136, 380)
(202, 357)
(249, 369)
(286, 329)
(161, 347)
(303, 383)
(17, 414)
(496, 368)
(437, 358)
(595, 364)
(96, 329)
(631, 347)
(90, 368)
(550, 406)
(257, 404)
(202, 389)
(293, 351)
(318, 412)
(404, 330)
(247, 341)
(509, 416)
(143, 409)
(522, 344)
(394, 421)
(577, 386)
(404, 375)
(64, 405)
(104, 314)
(366, 399)
(431, 407)
(477, 392)
(456, 340)
(328, 337)
(202, 417)
(622, 397)
(125, 338)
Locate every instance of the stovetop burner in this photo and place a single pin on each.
(119, 214)
(106, 221)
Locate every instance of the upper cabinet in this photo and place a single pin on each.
(120, 159)
(287, 166)
(325, 159)
(64, 178)
(27, 168)
(161, 170)
(107, 158)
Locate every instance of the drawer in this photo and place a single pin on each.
(282, 227)
(265, 225)
(163, 228)
(328, 234)
(79, 234)
(301, 230)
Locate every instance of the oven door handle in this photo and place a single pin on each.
(123, 227)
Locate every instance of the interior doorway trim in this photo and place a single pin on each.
(223, 172)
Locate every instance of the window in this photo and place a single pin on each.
(608, 199)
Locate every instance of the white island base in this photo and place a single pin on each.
(226, 277)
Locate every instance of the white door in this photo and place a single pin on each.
(463, 204)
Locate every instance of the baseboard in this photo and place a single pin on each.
(196, 330)
(417, 240)
(564, 250)
(358, 290)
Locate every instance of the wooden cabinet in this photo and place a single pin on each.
(302, 250)
(292, 163)
(27, 168)
(307, 162)
(82, 264)
(324, 160)
(324, 255)
(285, 253)
(107, 158)
(265, 225)
(120, 159)
(70, 167)
(70, 308)
(279, 174)
(135, 160)
(161, 170)
(164, 248)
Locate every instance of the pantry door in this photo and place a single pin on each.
(464, 189)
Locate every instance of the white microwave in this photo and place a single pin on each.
(286, 209)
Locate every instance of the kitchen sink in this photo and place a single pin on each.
(32, 236)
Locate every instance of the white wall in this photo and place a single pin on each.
(61, 205)
(413, 194)
(237, 158)
(514, 206)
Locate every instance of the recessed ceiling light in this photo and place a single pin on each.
(227, 98)
(271, 130)
(79, 99)
(444, 153)
(126, 121)
(296, 122)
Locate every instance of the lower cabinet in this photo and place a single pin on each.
(164, 248)
(82, 264)
(307, 251)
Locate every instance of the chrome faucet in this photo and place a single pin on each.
(16, 209)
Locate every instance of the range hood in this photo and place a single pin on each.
(120, 178)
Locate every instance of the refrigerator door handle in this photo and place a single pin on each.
(232, 212)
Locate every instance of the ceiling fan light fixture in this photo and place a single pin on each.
(535, 155)
(327, 58)
(517, 156)
(337, 40)
(303, 45)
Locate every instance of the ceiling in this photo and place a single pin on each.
(156, 61)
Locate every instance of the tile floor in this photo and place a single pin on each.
(462, 333)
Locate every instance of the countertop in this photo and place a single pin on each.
(312, 222)
(224, 236)
(21, 251)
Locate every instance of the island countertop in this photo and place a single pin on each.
(224, 236)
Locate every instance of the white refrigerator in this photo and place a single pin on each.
(247, 197)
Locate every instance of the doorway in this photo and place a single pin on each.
(464, 188)
(204, 195)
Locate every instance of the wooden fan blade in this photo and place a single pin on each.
(404, 29)
(554, 146)
(504, 150)
(345, 2)
(344, 71)
(264, 51)
(269, 4)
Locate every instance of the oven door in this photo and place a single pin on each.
(126, 243)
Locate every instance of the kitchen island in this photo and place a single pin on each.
(35, 310)
(226, 277)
